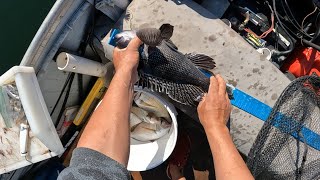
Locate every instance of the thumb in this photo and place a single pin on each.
(134, 44)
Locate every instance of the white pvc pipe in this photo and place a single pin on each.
(77, 64)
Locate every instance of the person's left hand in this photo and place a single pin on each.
(127, 59)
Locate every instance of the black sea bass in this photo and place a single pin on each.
(164, 69)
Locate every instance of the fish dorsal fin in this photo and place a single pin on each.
(201, 61)
(186, 94)
(166, 31)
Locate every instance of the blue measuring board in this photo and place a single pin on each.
(258, 109)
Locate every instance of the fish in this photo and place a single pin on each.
(145, 132)
(152, 105)
(164, 69)
(146, 126)
(140, 113)
(134, 120)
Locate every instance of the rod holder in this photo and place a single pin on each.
(77, 64)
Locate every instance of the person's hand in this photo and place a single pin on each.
(214, 109)
(127, 59)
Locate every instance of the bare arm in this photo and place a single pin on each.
(214, 111)
(108, 128)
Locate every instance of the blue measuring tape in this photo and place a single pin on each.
(262, 111)
(258, 109)
(250, 105)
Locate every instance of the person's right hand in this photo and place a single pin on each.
(214, 109)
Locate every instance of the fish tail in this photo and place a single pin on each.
(150, 36)
(153, 37)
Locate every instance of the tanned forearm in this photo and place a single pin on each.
(214, 111)
(228, 163)
(108, 128)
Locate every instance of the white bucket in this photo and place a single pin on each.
(147, 155)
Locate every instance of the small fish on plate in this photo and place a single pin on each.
(150, 131)
(142, 114)
(163, 68)
(152, 105)
(134, 120)
(146, 125)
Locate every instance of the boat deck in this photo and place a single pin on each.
(198, 30)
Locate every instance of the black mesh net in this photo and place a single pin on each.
(286, 146)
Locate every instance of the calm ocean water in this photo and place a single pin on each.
(20, 20)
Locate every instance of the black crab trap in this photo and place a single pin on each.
(288, 145)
